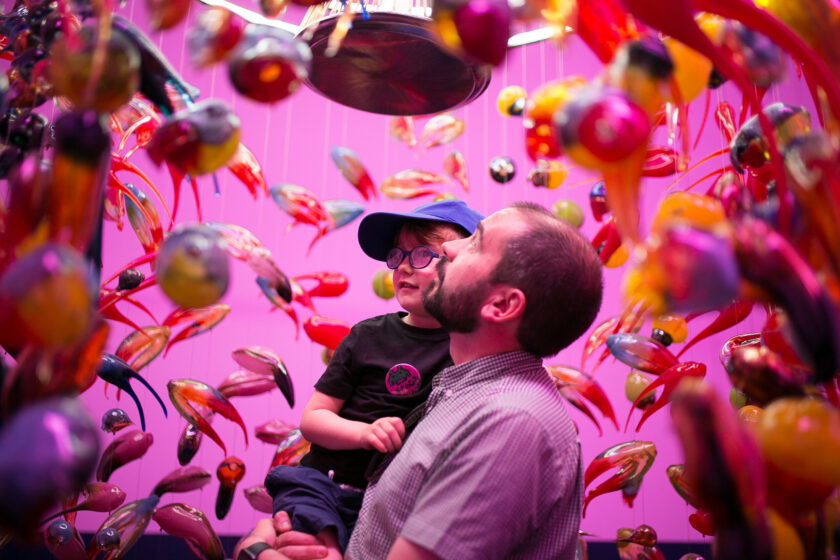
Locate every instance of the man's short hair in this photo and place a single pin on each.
(559, 272)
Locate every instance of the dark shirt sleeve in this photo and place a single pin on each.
(337, 379)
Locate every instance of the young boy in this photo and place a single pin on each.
(382, 370)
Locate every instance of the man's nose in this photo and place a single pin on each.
(450, 248)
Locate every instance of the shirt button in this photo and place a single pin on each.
(447, 393)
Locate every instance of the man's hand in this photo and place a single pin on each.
(384, 435)
(263, 532)
(301, 546)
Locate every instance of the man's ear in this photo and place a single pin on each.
(503, 303)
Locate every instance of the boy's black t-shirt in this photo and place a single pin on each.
(360, 373)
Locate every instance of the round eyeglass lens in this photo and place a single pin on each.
(394, 258)
(420, 257)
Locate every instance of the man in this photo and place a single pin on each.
(493, 470)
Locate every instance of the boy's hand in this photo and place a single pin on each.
(384, 435)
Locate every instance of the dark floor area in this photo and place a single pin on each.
(164, 547)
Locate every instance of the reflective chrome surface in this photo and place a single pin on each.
(391, 64)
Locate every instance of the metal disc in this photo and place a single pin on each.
(391, 64)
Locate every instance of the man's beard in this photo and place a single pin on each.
(456, 310)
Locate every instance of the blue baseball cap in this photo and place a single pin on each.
(378, 230)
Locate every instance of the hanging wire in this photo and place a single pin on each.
(284, 170)
(326, 149)
(542, 62)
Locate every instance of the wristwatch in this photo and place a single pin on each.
(251, 552)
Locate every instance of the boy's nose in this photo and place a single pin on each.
(405, 267)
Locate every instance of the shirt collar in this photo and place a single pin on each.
(494, 366)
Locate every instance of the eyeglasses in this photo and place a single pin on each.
(419, 257)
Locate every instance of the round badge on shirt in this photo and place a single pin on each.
(402, 379)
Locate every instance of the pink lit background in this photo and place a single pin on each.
(292, 140)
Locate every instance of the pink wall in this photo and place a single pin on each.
(292, 141)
